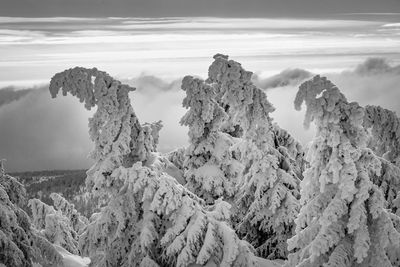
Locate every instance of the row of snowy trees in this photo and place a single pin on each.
(241, 191)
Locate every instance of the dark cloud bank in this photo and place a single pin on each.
(37, 132)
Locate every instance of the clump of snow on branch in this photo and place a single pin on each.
(342, 221)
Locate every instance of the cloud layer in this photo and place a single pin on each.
(10, 94)
(38, 133)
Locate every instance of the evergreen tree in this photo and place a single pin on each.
(384, 139)
(342, 220)
(385, 132)
(267, 200)
(53, 225)
(19, 244)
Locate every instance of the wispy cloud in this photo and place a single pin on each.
(41, 20)
(284, 78)
(391, 25)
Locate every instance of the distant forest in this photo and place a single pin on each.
(68, 183)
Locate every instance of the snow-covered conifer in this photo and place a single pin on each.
(114, 128)
(19, 244)
(53, 225)
(384, 139)
(385, 132)
(77, 221)
(266, 203)
(342, 221)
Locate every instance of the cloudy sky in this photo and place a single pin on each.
(168, 8)
(153, 44)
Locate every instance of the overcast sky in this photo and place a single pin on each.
(165, 8)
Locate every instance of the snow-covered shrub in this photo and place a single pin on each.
(19, 244)
(342, 220)
(210, 168)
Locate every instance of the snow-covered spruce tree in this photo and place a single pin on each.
(385, 132)
(150, 220)
(210, 168)
(19, 244)
(384, 139)
(389, 182)
(77, 221)
(342, 221)
(54, 226)
(267, 202)
(113, 126)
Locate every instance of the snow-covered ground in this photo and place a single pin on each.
(71, 260)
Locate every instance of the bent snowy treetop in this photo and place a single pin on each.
(114, 128)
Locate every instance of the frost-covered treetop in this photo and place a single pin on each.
(204, 115)
(329, 108)
(228, 72)
(114, 128)
(309, 93)
(385, 126)
(245, 104)
(89, 85)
